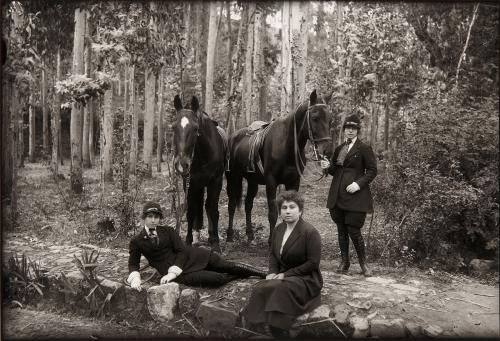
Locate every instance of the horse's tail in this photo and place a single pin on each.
(234, 187)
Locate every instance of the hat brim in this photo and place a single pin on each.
(152, 210)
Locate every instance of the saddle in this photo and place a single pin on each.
(257, 131)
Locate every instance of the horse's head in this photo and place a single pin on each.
(186, 131)
(319, 120)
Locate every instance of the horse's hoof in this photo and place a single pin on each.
(196, 237)
(216, 248)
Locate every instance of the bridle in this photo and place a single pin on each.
(310, 137)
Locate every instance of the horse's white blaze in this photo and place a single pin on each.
(184, 122)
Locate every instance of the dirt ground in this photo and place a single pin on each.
(458, 304)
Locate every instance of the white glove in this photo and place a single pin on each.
(134, 279)
(324, 164)
(353, 188)
(168, 278)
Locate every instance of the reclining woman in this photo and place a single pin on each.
(166, 252)
(293, 284)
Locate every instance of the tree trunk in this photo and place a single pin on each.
(7, 164)
(374, 119)
(56, 119)
(45, 113)
(127, 119)
(387, 123)
(201, 49)
(107, 130)
(237, 57)
(31, 147)
(229, 66)
(76, 109)
(339, 46)
(247, 80)
(87, 113)
(299, 34)
(257, 65)
(159, 145)
(286, 60)
(211, 47)
(135, 122)
(149, 120)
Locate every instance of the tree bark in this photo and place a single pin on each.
(135, 122)
(87, 113)
(107, 130)
(237, 57)
(7, 146)
(248, 78)
(149, 120)
(229, 65)
(45, 113)
(286, 60)
(159, 145)
(31, 146)
(374, 118)
(211, 47)
(56, 119)
(258, 64)
(300, 29)
(76, 171)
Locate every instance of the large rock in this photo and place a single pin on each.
(413, 329)
(162, 301)
(433, 331)
(189, 301)
(341, 312)
(360, 326)
(482, 265)
(387, 328)
(216, 318)
(316, 323)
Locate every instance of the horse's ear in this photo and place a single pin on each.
(177, 103)
(328, 98)
(313, 98)
(195, 105)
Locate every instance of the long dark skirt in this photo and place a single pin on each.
(278, 302)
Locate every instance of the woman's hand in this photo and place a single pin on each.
(168, 278)
(353, 188)
(134, 279)
(325, 164)
(275, 276)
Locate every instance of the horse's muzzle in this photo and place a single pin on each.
(182, 166)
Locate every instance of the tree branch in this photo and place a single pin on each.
(474, 15)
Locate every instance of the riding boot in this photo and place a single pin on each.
(344, 252)
(359, 245)
(244, 270)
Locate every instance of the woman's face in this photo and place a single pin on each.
(151, 220)
(290, 211)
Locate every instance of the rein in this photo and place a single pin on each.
(311, 138)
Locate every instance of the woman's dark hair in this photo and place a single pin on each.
(291, 195)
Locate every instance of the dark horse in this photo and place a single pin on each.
(200, 151)
(282, 155)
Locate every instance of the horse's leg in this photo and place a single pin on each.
(252, 189)
(272, 212)
(212, 208)
(198, 215)
(190, 216)
(234, 188)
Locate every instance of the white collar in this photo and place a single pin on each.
(353, 140)
(149, 232)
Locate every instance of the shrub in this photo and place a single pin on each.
(440, 187)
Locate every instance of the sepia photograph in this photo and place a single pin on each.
(249, 170)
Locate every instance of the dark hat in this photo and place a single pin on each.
(151, 207)
(352, 121)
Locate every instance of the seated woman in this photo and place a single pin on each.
(166, 252)
(294, 282)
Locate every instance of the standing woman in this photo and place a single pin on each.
(293, 284)
(353, 166)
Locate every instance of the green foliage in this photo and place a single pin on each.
(25, 279)
(80, 88)
(97, 298)
(442, 181)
